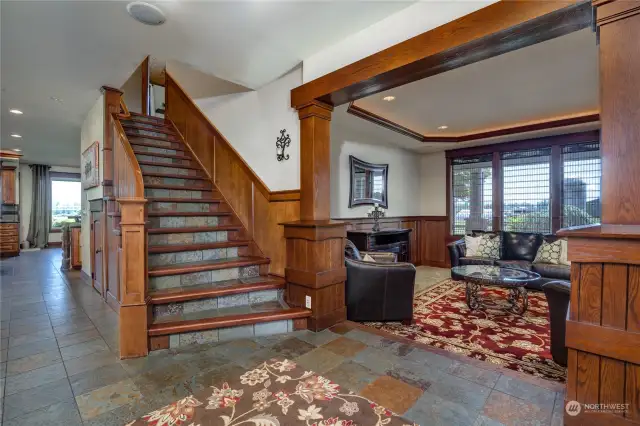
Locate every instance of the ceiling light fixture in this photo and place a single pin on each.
(388, 98)
(15, 111)
(146, 13)
(16, 149)
(15, 135)
(443, 127)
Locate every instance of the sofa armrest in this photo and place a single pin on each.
(558, 295)
(457, 249)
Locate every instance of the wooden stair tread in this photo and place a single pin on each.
(193, 229)
(153, 145)
(174, 175)
(175, 248)
(174, 165)
(206, 265)
(211, 290)
(160, 128)
(183, 200)
(166, 138)
(180, 187)
(160, 329)
(145, 119)
(155, 154)
(173, 213)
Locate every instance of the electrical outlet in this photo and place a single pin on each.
(307, 302)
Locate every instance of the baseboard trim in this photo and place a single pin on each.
(57, 244)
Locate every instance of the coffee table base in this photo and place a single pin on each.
(518, 298)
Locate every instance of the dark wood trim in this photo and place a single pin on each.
(551, 123)
(172, 296)
(55, 244)
(384, 122)
(533, 143)
(145, 86)
(173, 248)
(183, 200)
(188, 268)
(194, 229)
(285, 195)
(387, 219)
(610, 342)
(496, 194)
(226, 321)
(65, 175)
(556, 174)
(494, 30)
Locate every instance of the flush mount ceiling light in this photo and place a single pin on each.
(146, 13)
(443, 127)
(15, 111)
(15, 135)
(388, 98)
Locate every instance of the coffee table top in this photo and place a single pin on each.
(493, 275)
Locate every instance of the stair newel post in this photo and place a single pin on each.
(133, 278)
(315, 244)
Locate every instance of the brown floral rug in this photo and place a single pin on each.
(276, 393)
(520, 342)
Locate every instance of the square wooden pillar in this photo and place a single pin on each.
(603, 329)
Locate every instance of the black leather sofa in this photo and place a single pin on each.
(378, 291)
(518, 250)
(558, 295)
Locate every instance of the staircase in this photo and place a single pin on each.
(208, 281)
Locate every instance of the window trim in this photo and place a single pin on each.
(60, 176)
(554, 142)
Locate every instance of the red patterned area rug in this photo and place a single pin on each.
(520, 342)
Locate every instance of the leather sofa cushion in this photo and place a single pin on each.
(520, 264)
(548, 270)
(520, 245)
(476, 261)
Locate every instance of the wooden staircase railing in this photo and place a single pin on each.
(128, 190)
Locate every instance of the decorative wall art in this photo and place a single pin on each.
(90, 167)
(281, 143)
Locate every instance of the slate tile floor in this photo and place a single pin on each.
(59, 364)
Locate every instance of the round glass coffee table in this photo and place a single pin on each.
(477, 276)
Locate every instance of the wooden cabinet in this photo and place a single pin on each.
(8, 185)
(389, 240)
(76, 252)
(9, 239)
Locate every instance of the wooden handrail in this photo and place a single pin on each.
(127, 174)
(125, 111)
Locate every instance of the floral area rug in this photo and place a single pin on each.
(276, 393)
(520, 342)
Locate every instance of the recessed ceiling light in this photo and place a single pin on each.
(15, 135)
(388, 98)
(443, 127)
(15, 111)
(146, 13)
(16, 149)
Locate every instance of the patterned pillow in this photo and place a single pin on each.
(489, 247)
(471, 244)
(554, 253)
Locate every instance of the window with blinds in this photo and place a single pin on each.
(526, 190)
(581, 182)
(471, 194)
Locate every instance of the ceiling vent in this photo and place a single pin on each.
(146, 13)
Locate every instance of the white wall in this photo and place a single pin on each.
(433, 184)
(251, 121)
(403, 180)
(132, 89)
(92, 130)
(403, 25)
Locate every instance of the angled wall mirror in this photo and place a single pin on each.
(368, 183)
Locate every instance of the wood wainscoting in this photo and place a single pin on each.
(428, 241)
(261, 211)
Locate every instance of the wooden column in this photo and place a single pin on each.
(133, 279)
(315, 161)
(603, 329)
(315, 268)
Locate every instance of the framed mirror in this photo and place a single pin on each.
(368, 183)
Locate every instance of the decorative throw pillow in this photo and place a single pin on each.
(552, 253)
(472, 243)
(368, 258)
(564, 256)
(489, 247)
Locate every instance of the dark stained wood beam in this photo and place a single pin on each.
(496, 29)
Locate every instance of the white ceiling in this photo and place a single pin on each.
(68, 49)
(548, 80)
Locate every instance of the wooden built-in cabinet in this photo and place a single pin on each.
(76, 252)
(8, 185)
(9, 239)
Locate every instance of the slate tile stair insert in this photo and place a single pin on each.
(193, 300)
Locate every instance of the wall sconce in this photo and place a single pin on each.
(281, 143)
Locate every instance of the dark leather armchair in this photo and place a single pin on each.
(558, 294)
(378, 291)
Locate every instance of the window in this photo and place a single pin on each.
(471, 194)
(581, 179)
(526, 191)
(66, 196)
(539, 185)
